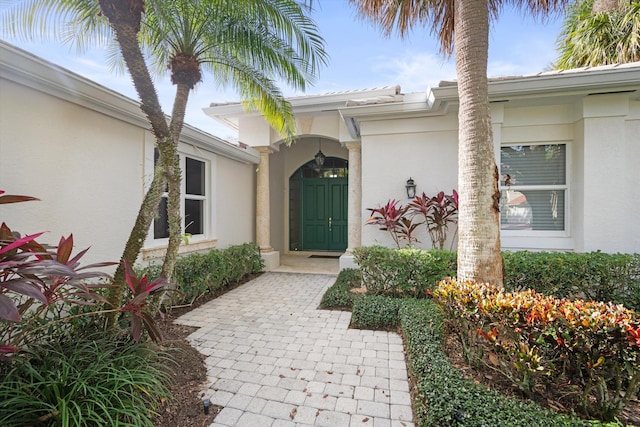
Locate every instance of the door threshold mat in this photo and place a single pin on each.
(325, 256)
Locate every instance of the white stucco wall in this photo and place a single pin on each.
(83, 166)
(601, 133)
(84, 151)
(611, 179)
(423, 148)
(235, 202)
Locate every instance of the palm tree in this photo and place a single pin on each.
(248, 44)
(599, 32)
(462, 27)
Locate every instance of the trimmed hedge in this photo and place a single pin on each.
(339, 295)
(444, 397)
(403, 272)
(201, 273)
(375, 312)
(593, 276)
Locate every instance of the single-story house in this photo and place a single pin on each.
(567, 144)
(87, 153)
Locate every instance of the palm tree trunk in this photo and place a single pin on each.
(124, 18)
(606, 6)
(136, 239)
(171, 162)
(172, 165)
(479, 256)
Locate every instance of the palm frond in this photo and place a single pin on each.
(77, 23)
(600, 38)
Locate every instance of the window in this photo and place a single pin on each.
(194, 199)
(533, 183)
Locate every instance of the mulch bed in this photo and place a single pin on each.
(186, 409)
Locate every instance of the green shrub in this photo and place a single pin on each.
(593, 276)
(243, 260)
(87, 382)
(405, 272)
(443, 397)
(198, 274)
(375, 312)
(339, 295)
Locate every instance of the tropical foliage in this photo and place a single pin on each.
(96, 380)
(439, 212)
(250, 44)
(40, 285)
(392, 218)
(594, 34)
(589, 350)
(436, 213)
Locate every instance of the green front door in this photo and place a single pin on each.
(324, 214)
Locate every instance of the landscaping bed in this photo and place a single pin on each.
(189, 372)
(446, 389)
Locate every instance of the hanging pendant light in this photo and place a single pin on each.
(319, 157)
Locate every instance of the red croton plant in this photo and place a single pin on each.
(34, 277)
(588, 351)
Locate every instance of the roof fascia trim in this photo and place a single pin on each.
(581, 82)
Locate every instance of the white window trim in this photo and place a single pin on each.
(152, 246)
(567, 188)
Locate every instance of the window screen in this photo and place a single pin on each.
(533, 180)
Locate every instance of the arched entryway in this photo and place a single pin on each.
(318, 199)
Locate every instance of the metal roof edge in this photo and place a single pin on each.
(560, 81)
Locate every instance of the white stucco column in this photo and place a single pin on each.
(263, 212)
(354, 206)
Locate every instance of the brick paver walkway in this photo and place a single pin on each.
(274, 359)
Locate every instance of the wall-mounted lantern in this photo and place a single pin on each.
(411, 188)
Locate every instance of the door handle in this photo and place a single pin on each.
(329, 223)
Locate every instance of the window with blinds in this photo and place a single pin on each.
(533, 183)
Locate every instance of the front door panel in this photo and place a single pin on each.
(324, 214)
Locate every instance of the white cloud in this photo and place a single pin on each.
(416, 72)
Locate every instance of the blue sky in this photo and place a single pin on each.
(359, 58)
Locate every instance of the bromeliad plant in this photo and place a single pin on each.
(39, 286)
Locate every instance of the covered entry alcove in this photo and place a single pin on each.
(318, 198)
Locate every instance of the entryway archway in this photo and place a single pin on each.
(318, 199)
